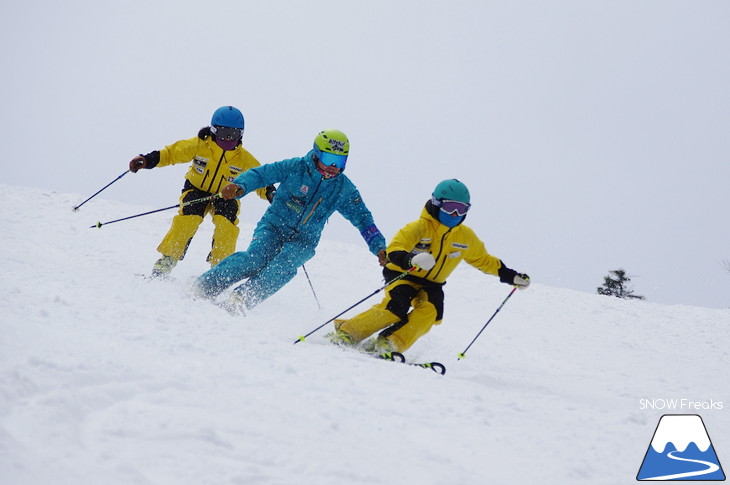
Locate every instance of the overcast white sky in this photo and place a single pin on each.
(593, 134)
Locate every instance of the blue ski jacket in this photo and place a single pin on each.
(305, 200)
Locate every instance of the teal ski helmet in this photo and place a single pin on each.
(227, 116)
(451, 189)
(451, 202)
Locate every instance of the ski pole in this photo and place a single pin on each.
(312, 287)
(462, 355)
(190, 202)
(399, 277)
(107, 185)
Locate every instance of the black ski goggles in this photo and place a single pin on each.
(226, 132)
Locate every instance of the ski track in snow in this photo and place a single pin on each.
(109, 378)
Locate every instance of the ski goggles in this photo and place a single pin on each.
(330, 159)
(226, 132)
(453, 207)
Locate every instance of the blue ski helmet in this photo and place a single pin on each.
(227, 116)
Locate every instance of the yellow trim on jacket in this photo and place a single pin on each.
(210, 170)
(449, 247)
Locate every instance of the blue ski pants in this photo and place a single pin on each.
(269, 263)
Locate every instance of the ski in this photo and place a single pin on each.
(391, 356)
(158, 277)
(149, 277)
(233, 310)
(437, 367)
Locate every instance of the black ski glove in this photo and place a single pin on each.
(512, 277)
(270, 193)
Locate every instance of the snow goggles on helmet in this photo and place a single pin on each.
(226, 132)
(452, 206)
(330, 159)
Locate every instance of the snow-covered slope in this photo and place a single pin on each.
(109, 378)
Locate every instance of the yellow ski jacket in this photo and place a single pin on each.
(212, 168)
(449, 247)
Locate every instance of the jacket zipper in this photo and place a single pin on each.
(441, 250)
(299, 222)
(223, 179)
(215, 174)
(312, 211)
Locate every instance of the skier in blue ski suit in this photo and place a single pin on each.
(310, 189)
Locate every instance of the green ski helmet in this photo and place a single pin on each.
(331, 148)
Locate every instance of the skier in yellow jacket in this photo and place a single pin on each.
(217, 157)
(434, 245)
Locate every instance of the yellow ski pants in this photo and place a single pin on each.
(186, 223)
(402, 333)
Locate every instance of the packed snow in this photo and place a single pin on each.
(110, 378)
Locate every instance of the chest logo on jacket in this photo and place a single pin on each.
(296, 204)
(199, 164)
(459, 245)
(424, 245)
(304, 189)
